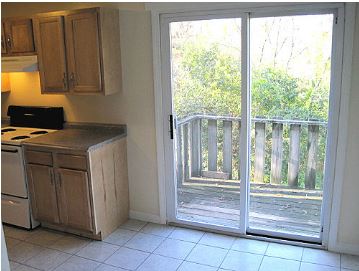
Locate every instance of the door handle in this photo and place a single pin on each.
(171, 126)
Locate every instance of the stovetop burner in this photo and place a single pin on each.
(39, 133)
(19, 137)
(8, 130)
(16, 135)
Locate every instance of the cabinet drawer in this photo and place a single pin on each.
(38, 157)
(71, 161)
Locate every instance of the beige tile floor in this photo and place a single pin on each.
(145, 246)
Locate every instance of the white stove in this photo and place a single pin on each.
(15, 201)
(12, 135)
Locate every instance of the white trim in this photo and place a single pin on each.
(243, 7)
(145, 217)
(155, 19)
(333, 244)
(333, 123)
(170, 185)
(245, 140)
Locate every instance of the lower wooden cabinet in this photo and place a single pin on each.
(82, 192)
(43, 193)
(60, 196)
(74, 199)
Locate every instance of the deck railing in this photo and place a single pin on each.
(191, 133)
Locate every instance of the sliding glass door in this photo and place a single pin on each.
(248, 101)
(206, 99)
(290, 75)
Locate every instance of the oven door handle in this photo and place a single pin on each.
(11, 151)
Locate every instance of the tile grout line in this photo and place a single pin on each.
(123, 246)
(264, 254)
(196, 243)
(224, 258)
(24, 264)
(152, 253)
(340, 263)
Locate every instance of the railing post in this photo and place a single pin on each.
(227, 147)
(277, 153)
(185, 152)
(239, 149)
(294, 155)
(196, 153)
(313, 133)
(212, 145)
(179, 154)
(259, 151)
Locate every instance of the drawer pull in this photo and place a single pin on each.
(11, 151)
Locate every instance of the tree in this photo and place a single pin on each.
(208, 81)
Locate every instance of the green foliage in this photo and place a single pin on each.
(208, 80)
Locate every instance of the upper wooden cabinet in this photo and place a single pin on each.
(3, 40)
(50, 41)
(17, 37)
(83, 52)
(79, 51)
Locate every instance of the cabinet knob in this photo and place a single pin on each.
(72, 79)
(8, 40)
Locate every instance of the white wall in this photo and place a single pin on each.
(134, 105)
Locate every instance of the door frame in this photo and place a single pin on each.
(341, 113)
(333, 114)
(170, 187)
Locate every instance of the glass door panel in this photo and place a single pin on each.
(290, 85)
(206, 102)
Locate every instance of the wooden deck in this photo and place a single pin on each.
(273, 208)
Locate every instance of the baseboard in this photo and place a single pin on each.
(346, 248)
(145, 217)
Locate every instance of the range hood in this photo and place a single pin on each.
(19, 64)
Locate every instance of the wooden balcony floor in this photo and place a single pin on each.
(273, 208)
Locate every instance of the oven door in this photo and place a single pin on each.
(13, 180)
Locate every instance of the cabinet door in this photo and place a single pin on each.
(19, 36)
(74, 199)
(83, 52)
(3, 40)
(43, 193)
(50, 43)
